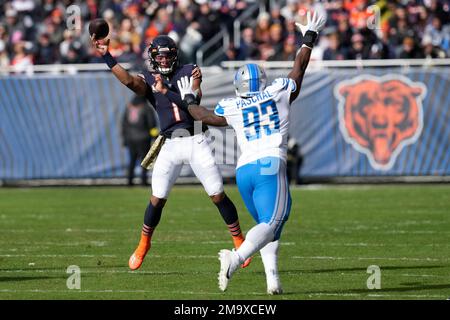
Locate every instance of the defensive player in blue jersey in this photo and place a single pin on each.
(181, 143)
(260, 117)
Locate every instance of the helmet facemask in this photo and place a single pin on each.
(163, 60)
(163, 55)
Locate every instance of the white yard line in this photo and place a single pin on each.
(371, 258)
(377, 295)
(363, 244)
(424, 275)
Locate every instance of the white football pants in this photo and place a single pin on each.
(192, 150)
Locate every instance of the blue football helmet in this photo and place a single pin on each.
(249, 80)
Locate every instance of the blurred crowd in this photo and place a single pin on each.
(355, 29)
(55, 31)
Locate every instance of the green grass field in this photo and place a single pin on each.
(333, 235)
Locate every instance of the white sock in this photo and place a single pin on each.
(255, 240)
(269, 255)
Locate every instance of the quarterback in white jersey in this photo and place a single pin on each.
(260, 117)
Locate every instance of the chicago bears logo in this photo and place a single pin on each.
(379, 116)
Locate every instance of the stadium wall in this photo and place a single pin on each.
(378, 122)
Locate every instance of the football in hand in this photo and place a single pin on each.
(100, 28)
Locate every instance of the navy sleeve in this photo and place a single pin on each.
(174, 97)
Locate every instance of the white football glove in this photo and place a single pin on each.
(185, 86)
(315, 23)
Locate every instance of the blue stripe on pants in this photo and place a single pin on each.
(265, 190)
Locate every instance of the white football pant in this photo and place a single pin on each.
(192, 150)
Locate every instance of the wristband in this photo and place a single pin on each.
(109, 59)
(310, 38)
(188, 100)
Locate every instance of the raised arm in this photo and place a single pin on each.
(133, 82)
(310, 33)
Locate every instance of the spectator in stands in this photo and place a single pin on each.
(399, 28)
(439, 9)
(4, 58)
(289, 50)
(55, 27)
(75, 54)
(344, 32)
(64, 46)
(208, 20)
(437, 33)
(190, 42)
(358, 51)
(334, 51)
(231, 53)
(262, 32)
(248, 49)
(89, 10)
(45, 51)
(127, 53)
(291, 30)
(382, 49)
(4, 35)
(46, 8)
(431, 51)
(23, 6)
(359, 15)
(410, 49)
(22, 57)
(162, 24)
(289, 11)
(14, 27)
(110, 17)
(276, 38)
(277, 18)
(128, 36)
(336, 13)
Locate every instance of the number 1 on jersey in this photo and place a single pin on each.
(176, 112)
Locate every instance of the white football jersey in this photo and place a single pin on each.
(261, 121)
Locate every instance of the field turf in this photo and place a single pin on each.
(333, 235)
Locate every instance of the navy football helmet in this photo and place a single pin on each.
(163, 54)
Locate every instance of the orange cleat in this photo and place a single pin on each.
(237, 243)
(138, 256)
